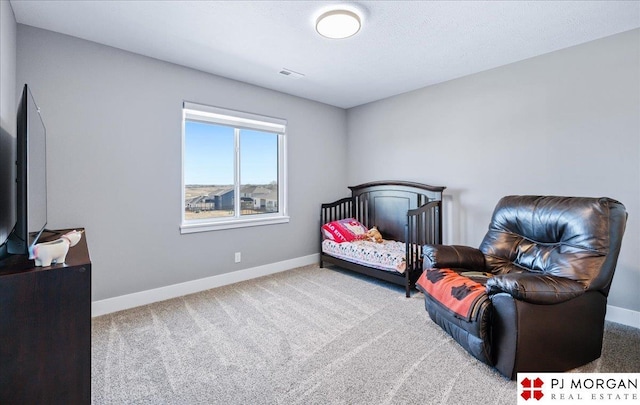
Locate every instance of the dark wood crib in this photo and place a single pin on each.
(403, 211)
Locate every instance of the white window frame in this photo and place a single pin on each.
(238, 120)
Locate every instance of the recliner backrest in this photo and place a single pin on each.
(574, 237)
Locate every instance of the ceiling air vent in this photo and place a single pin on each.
(290, 73)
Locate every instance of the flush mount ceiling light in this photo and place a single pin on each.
(338, 24)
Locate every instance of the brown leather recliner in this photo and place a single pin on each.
(549, 262)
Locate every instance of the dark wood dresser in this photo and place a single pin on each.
(45, 329)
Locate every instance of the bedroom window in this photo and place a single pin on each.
(233, 169)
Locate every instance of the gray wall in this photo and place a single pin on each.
(113, 123)
(565, 123)
(8, 104)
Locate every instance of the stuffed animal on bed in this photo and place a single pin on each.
(374, 235)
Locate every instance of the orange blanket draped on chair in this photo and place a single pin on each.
(455, 292)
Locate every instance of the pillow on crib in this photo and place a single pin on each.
(344, 230)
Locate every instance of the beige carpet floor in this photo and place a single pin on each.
(304, 336)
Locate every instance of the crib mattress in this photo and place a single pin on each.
(389, 255)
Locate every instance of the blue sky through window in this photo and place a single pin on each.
(258, 157)
(209, 154)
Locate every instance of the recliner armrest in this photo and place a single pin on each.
(453, 256)
(535, 288)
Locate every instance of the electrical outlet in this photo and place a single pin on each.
(238, 257)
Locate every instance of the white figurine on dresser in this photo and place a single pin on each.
(55, 251)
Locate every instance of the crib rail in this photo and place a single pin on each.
(337, 210)
(424, 226)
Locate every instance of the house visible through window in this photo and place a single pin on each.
(233, 169)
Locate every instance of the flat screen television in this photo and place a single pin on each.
(31, 177)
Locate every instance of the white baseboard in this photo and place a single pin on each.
(623, 316)
(133, 300)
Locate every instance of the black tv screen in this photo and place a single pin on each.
(31, 176)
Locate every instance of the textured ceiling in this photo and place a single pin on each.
(402, 46)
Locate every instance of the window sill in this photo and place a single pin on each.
(194, 227)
